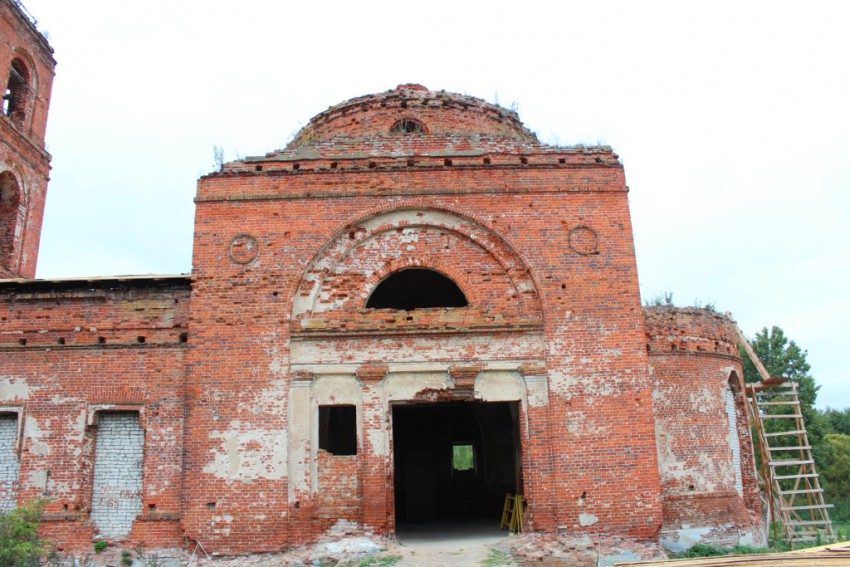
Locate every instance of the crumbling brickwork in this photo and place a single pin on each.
(73, 351)
(694, 361)
(521, 338)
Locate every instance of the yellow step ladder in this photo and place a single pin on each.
(513, 514)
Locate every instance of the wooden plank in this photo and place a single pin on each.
(781, 416)
(806, 491)
(781, 433)
(791, 462)
(798, 448)
(765, 375)
(790, 476)
(818, 559)
(809, 507)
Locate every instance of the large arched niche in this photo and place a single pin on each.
(354, 261)
(12, 209)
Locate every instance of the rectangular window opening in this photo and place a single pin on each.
(463, 457)
(117, 490)
(10, 466)
(338, 429)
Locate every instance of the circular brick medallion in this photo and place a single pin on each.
(244, 249)
(583, 240)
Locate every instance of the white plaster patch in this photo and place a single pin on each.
(33, 433)
(499, 387)
(279, 365)
(299, 423)
(418, 349)
(537, 391)
(13, 388)
(247, 454)
(587, 519)
(378, 442)
(408, 235)
(669, 465)
(683, 539)
(405, 386)
(267, 400)
(702, 399)
(330, 390)
(580, 426)
(718, 467)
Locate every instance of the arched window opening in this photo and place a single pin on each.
(734, 438)
(416, 288)
(17, 89)
(408, 126)
(10, 197)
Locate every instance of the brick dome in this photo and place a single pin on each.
(412, 109)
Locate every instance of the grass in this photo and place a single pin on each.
(384, 561)
(705, 550)
(498, 559)
(842, 531)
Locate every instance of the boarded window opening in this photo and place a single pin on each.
(119, 455)
(734, 439)
(416, 288)
(338, 429)
(10, 466)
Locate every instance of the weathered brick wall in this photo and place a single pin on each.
(694, 359)
(340, 498)
(117, 485)
(287, 249)
(70, 350)
(22, 150)
(540, 240)
(439, 113)
(19, 38)
(10, 465)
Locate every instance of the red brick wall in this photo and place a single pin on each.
(59, 388)
(694, 356)
(287, 249)
(580, 298)
(340, 492)
(22, 150)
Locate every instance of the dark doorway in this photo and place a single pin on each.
(455, 461)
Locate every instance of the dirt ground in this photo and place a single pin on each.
(430, 545)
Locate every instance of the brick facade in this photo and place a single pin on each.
(26, 71)
(566, 389)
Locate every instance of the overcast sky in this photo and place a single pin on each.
(731, 119)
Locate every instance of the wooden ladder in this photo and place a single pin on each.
(795, 497)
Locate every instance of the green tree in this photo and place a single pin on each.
(836, 421)
(835, 474)
(20, 545)
(784, 359)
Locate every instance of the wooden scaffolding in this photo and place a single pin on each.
(797, 510)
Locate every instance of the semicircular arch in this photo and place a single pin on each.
(410, 217)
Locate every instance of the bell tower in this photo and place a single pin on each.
(27, 68)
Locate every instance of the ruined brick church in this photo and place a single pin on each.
(411, 311)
